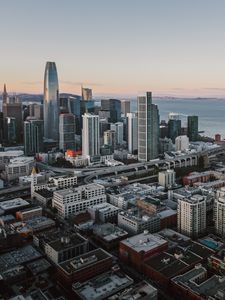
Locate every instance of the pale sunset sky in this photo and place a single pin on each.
(121, 47)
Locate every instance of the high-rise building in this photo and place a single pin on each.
(118, 128)
(67, 131)
(114, 107)
(167, 178)
(132, 125)
(193, 128)
(174, 129)
(148, 128)
(1, 127)
(13, 109)
(35, 110)
(86, 94)
(125, 107)
(191, 216)
(182, 143)
(110, 139)
(10, 130)
(51, 102)
(33, 136)
(219, 212)
(90, 135)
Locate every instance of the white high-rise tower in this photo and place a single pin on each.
(90, 135)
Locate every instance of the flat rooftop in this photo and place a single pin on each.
(84, 261)
(144, 242)
(16, 257)
(38, 266)
(104, 207)
(109, 232)
(66, 242)
(211, 287)
(166, 264)
(11, 153)
(136, 292)
(14, 203)
(103, 286)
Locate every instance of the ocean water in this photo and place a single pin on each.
(211, 112)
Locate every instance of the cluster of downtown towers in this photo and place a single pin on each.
(147, 127)
(59, 128)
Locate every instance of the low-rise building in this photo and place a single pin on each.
(135, 221)
(104, 212)
(83, 267)
(140, 291)
(109, 235)
(134, 250)
(102, 286)
(17, 167)
(11, 206)
(66, 247)
(29, 213)
(195, 285)
(175, 261)
(79, 199)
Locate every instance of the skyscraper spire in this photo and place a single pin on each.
(4, 95)
(5, 89)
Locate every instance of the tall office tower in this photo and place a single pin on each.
(90, 135)
(4, 95)
(33, 136)
(38, 111)
(51, 102)
(193, 128)
(10, 130)
(182, 143)
(1, 128)
(132, 124)
(174, 129)
(148, 128)
(63, 104)
(118, 128)
(125, 107)
(114, 107)
(86, 94)
(110, 139)
(35, 110)
(66, 132)
(87, 106)
(191, 216)
(219, 212)
(72, 104)
(13, 109)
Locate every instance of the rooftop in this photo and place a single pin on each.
(103, 286)
(14, 203)
(212, 287)
(144, 242)
(16, 257)
(66, 242)
(11, 153)
(38, 266)
(85, 260)
(21, 160)
(109, 232)
(137, 292)
(104, 207)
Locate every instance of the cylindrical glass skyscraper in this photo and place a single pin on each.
(51, 102)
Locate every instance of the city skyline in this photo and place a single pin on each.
(175, 49)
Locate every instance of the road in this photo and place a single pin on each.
(94, 172)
